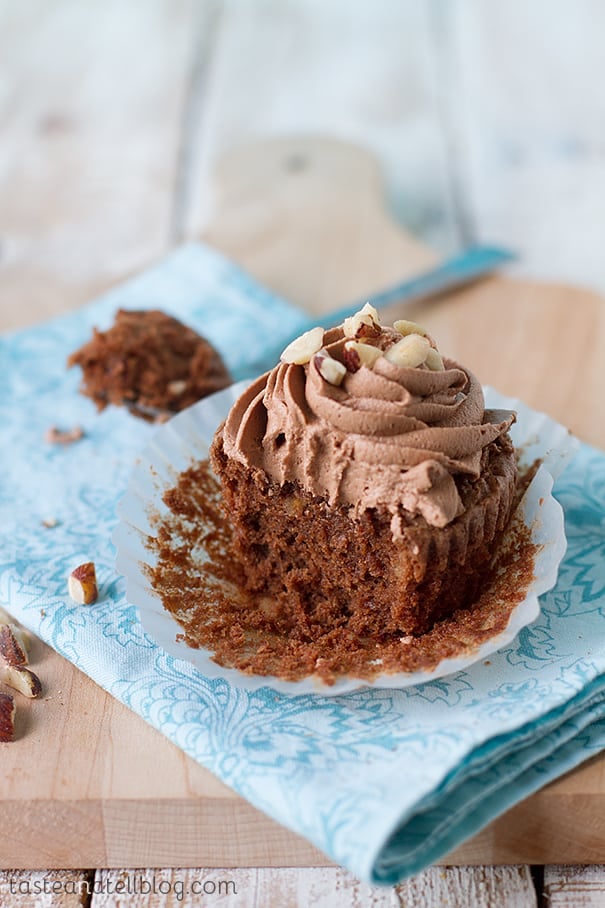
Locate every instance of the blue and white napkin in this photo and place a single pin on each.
(385, 782)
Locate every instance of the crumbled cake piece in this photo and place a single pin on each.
(149, 362)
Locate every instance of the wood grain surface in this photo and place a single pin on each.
(86, 189)
(333, 887)
(572, 886)
(266, 887)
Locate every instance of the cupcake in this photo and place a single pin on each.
(366, 484)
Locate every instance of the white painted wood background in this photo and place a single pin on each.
(488, 118)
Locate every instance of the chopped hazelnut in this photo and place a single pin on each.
(410, 352)
(82, 584)
(177, 387)
(7, 718)
(406, 327)
(434, 360)
(21, 679)
(365, 323)
(23, 636)
(357, 355)
(56, 436)
(301, 350)
(330, 369)
(11, 649)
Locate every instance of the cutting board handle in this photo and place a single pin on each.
(307, 216)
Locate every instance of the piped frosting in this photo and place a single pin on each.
(387, 436)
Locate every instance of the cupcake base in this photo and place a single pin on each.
(330, 569)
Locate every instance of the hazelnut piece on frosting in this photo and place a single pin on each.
(411, 351)
(301, 350)
(357, 355)
(406, 327)
(365, 323)
(330, 369)
(434, 360)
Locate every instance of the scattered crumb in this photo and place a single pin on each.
(55, 436)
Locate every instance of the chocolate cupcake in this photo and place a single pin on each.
(365, 481)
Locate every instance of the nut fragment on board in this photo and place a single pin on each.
(11, 648)
(20, 679)
(55, 436)
(7, 718)
(22, 635)
(82, 584)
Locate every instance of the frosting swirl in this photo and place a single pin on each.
(388, 436)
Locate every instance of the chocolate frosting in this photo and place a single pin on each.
(389, 436)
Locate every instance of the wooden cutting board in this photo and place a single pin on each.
(88, 783)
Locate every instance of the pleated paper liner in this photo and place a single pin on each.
(185, 440)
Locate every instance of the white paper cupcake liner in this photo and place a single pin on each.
(187, 438)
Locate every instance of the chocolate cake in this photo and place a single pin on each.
(366, 483)
(149, 362)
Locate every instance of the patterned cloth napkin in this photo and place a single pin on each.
(385, 782)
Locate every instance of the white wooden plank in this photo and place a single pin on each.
(574, 887)
(91, 100)
(360, 72)
(320, 887)
(461, 887)
(45, 888)
(526, 105)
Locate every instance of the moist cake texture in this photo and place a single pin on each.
(366, 484)
(149, 362)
